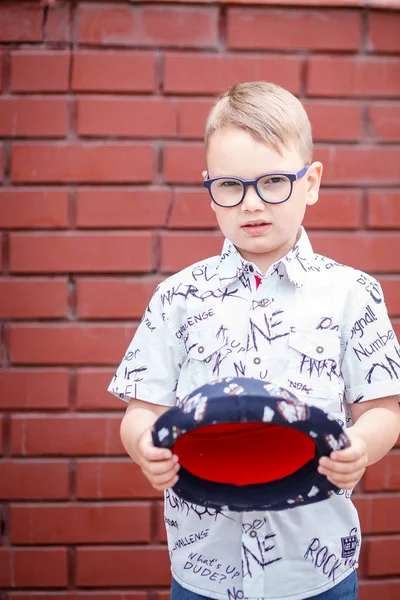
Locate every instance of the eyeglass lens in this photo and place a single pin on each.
(272, 188)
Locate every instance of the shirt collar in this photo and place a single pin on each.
(297, 262)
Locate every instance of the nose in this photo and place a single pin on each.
(252, 201)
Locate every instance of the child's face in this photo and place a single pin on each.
(233, 152)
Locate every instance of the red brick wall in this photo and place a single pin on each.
(101, 121)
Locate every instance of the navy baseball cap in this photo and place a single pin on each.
(245, 444)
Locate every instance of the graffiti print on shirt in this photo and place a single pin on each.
(179, 505)
(268, 329)
(213, 569)
(259, 548)
(389, 365)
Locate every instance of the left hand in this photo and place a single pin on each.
(344, 468)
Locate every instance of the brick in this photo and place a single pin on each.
(357, 164)
(32, 209)
(1, 435)
(112, 479)
(192, 117)
(384, 121)
(383, 31)
(334, 121)
(383, 209)
(191, 210)
(81, 252)
(33, 117)
(33, 298)
(391, 290)
(338, 76)
(20, 23)
(91, 390)
(125, 117)
(5, 567)
(122, 207)
(39, 71)
(264, 28)
(108, 567)
(69, 344)
(87, 162)
(34, 480)
(371, 590)
(212, 73)
(163, 595)
(1, 69)
(375, 253)
(105, 298)
(113, 71)
(79, 523)
(179, 250)
(57, 26)
(183, 163)
(63, 435)
(336, 209)
(188, 26)
(378, 514)
(1, 161)
(384, 475)
(383, 556)
(31, 389)
(39, 567)
(123, 595)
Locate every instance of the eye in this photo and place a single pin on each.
(274, 180)
(229, 183)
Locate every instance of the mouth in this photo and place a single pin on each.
(256, 227)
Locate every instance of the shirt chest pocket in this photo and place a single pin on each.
(314, 359)
(205, 360)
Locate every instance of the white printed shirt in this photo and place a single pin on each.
(311, 325)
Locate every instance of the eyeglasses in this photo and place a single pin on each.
(273, 188)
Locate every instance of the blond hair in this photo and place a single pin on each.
(268, 112)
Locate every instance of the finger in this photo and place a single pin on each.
(336, 458)
(155, 468)
(347, 482)
(347, 455)
(342, 478)
(162, 478)
(151, 453)
(167, 485)
(337, 467)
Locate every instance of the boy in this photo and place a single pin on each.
(268, 308)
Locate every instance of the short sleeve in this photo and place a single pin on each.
(371, 362)
(150, 368)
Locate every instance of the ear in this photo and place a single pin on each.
(313, 176)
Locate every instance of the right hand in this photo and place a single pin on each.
(159, 465)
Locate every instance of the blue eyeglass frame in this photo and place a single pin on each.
(253, 182)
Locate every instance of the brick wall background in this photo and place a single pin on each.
(101, 119)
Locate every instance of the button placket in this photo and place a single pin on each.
(252, 559)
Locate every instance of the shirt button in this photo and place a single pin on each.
(320, 349)
(253, 533)
(251, 268)
(200, 349)
(257, 360)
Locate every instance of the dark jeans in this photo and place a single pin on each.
(345, 590)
